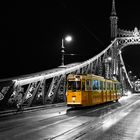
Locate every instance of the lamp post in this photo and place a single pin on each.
(110, 70)
(108, 67)
(134, 78)
(130, 75)
(134, 84)
(67, 39)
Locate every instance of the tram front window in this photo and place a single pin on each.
(74, 85)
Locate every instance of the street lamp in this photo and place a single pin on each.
(130, 75)
(130, 72)
(134, 78)
(109, 59)
(67, 39)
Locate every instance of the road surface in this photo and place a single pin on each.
(111, 121)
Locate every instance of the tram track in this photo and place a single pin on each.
(83, 126)
(94, 124)
(45, 123)
(65, 120)
(51, 121)
(30, 109)
(50, 114)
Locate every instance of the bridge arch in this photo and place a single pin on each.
(123, 42)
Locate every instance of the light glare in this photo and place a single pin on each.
(68, 38)
(109, 58)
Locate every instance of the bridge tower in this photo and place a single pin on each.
(114, 20)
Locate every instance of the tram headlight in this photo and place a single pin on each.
(73, 98)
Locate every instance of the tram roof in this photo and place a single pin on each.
(86, 75)
(91, 76)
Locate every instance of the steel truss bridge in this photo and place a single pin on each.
(50, 86)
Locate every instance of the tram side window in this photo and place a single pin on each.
(105, 85)
(108, 86)
(83, 85)
(114, 86)
(111, 86)
(118, 86)
(88, 84)
(95, 85)
(101, 85)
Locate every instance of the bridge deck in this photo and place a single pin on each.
(108, 121)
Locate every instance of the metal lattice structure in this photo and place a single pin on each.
(50, 86)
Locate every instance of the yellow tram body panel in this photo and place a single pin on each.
(74, 97)
(89, 90)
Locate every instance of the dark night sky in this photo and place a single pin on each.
(31, 33)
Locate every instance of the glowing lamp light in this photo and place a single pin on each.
(109, 58)
(129, 93)
(120, 51)
(68, 38)
(130, 72)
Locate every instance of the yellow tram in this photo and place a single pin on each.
(89, 90)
